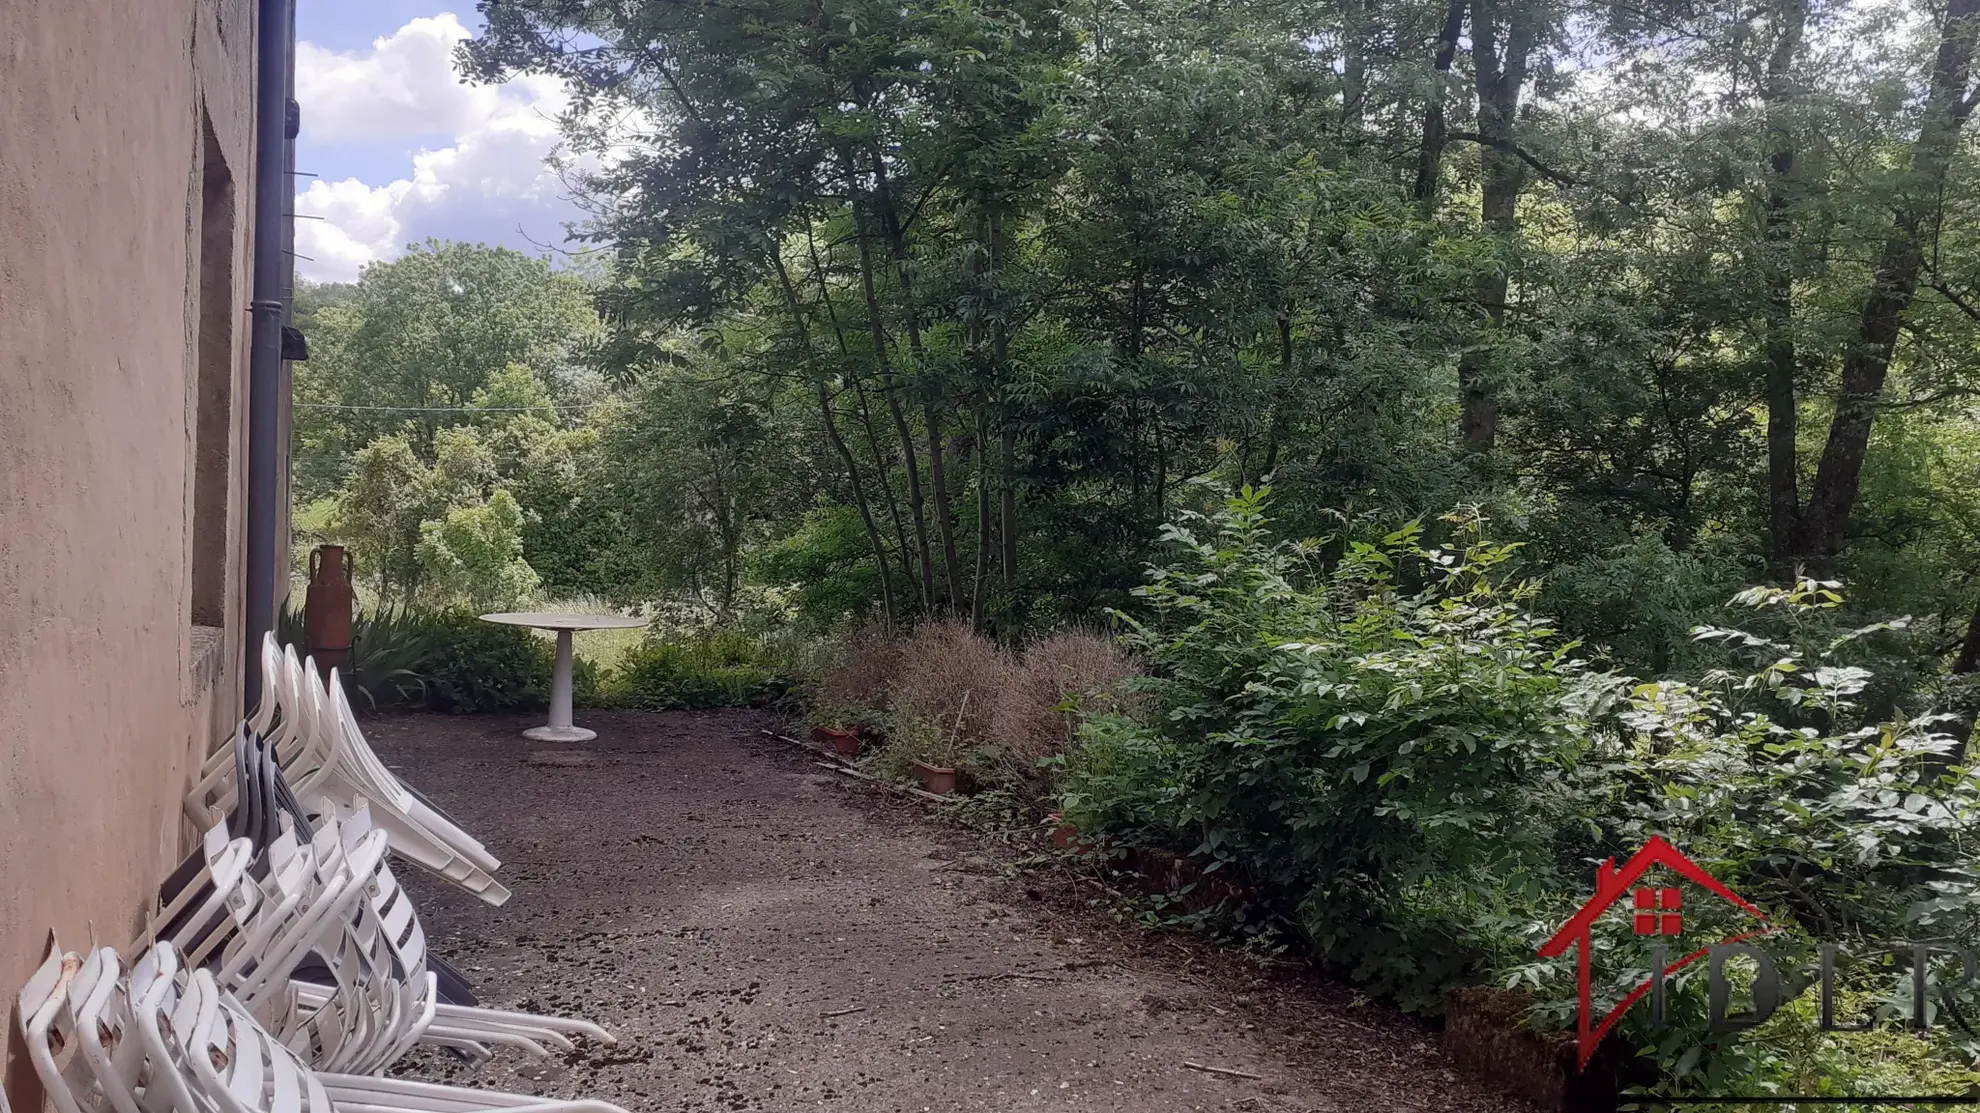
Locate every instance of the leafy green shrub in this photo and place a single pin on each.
(392, 650)
(481, 666)
(475, 553)
(1421, 779)
(1785, 783)
(442, 661)
(1342, 741)
(715, 668)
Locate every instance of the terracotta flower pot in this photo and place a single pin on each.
(845, 743)
(938, 779)
(1063, 833)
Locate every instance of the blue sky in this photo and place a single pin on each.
(403, 150)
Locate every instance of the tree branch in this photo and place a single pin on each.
(1544, 170)
(1958, 302)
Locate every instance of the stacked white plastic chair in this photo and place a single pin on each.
(164, 1039)
(285, 968)
(313, 732)
(334, 900)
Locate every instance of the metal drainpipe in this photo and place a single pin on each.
(271, 214)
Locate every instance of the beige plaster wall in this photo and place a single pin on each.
(107, 694)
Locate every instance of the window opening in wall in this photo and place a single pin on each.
(213, 385)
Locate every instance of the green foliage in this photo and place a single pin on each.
(392, 650)
(715, 668)
(1348, 742)
(822, 563)
(417, 342)
(378, 511)
(404, 657)
(933, 314)
(476, 553)
(958, 297)
(478, 666)
(1415, 771)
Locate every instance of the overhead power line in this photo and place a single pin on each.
(457, 409)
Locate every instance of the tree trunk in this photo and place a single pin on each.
(1501, 38)
(979, 592)
(881, 468)
(1867, 363)
(1966, 664)
(860, 501)
(1968, 660)
(945, 519)
(1000, 359)
(1430, 157)
(1782, 362)
(830, 418)
(1354, 63)
(876, 326)
(931, 418)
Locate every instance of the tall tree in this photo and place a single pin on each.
(1866, 364)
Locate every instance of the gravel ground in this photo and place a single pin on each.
(763, 934)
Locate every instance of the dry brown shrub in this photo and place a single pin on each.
(948, 695)
(1035, 717)
(858, 682)
(948, 676)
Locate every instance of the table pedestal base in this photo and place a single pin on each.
(559, 729)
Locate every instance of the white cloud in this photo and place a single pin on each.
(488, 182)
(404, 85)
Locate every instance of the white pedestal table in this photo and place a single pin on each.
(564, 623)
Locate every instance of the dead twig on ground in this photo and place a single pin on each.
(793, 741)
(844, 1012)
(1007, 974)
(903, 790)
(1038, 976)
(1231, 1071)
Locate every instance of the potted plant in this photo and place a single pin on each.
(938, 779)
(836, 730)
(937, 765)
(1063, 832)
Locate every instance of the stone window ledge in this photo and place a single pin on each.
(208, 651)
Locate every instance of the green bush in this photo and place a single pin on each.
(481, 666)
(1414, 772)
(392, 649)
(402, 657)
(716, 668)
(1342, 741)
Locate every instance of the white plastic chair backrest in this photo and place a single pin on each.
(384, 950)
(360, 762)
(340, 876)
(310, 750)
(266, 928)
(240, 1065)
(361, 1004)
(224, 860)
(156, 1005)
(48, 1027)
(271, 663)
(323, 895)
(292, 692)
(103, 1027)
(391, 904)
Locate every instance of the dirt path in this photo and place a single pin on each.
(715, 899)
